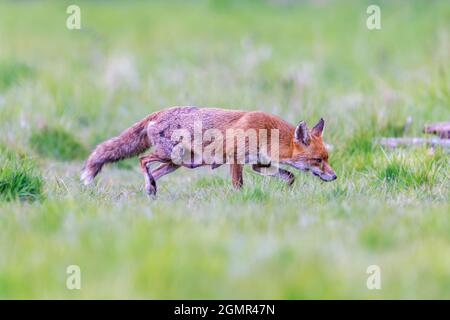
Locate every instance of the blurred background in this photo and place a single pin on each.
(63, 91)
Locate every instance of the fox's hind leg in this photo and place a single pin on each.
(274, 172)
(163, 169)
(150, 181)
(236, 175)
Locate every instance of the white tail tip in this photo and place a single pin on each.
(86, 177)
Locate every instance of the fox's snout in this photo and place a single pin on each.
(328, 173)
(325, 173)
(326, 176)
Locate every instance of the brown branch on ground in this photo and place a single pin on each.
(397, 142)
(442, 129)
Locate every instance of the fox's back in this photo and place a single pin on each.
(186, 117)
(196, 120)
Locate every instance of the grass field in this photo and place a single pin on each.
(63, 91)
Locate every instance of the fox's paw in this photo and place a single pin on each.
(151, 192)
(150, 189)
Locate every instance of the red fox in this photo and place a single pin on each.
(169, 133)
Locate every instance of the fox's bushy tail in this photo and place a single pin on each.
(129, 143)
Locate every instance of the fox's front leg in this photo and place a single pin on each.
(275, 172)
(236, 175)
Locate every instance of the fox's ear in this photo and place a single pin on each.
(301, 133)
(318, 128)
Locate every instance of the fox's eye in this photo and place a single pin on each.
(318, 160)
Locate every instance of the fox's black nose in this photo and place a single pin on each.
(333, 177)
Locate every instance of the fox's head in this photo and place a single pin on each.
(309, 152)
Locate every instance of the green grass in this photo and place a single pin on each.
(62, 92)
(19, 178)
(404, 171)
(12, 72)
(57, 143)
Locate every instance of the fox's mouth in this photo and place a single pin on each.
(322, 175)
(325, 177)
